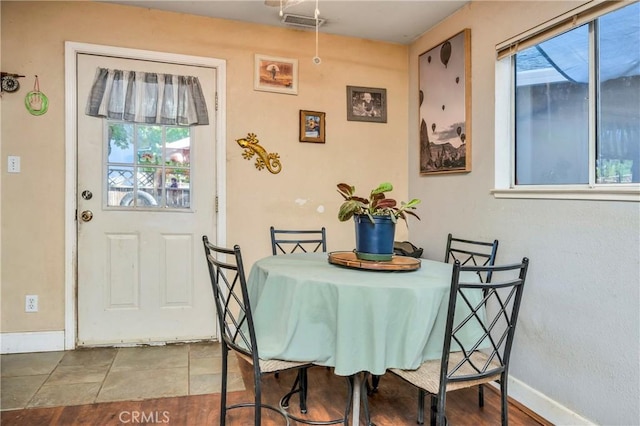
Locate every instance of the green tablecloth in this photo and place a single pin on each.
(306, 309)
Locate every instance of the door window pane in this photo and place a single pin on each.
(120, 148)
(148, 166)
(178, 162)
(120, 181)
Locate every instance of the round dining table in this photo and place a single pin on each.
(354, 320)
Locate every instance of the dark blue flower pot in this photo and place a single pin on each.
(374, 240)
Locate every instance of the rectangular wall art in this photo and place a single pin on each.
(445, 106)
(312, 126)
(366, 104)
(273, 74)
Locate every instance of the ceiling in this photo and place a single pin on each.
(395, 21)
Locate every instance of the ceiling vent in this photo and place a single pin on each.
(301, 21)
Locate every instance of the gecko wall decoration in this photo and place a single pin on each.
(270, 160)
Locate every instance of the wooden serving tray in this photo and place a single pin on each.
(397, 263)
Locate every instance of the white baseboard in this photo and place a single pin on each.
(45, 341)
(544, 406)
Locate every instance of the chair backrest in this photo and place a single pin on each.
(232, 299)
(285, 241)
(472, 253)
(491, 307)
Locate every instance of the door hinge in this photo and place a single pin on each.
(216, 101)
(216, 206)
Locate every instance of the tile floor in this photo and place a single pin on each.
(85, 376)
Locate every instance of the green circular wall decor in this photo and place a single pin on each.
(36, 102)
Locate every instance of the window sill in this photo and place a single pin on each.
(594, 194)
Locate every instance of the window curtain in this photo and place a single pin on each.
(574, 18)
(149, 98)
(569, 55)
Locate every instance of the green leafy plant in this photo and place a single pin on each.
(377, 204)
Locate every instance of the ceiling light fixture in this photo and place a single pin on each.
(316, 14)
(298, 20)
(284, 4)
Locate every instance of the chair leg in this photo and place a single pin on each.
(504, 403)
(441, 419)
(223, 387)
(365, 401)
(300, 386)
(302, 373)
(434, 410)
(375, 381)
(258, 396)
(480, 396)
(295, 388)
(284, 405)
(421, 396)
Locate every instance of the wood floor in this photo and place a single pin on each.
(395, 404)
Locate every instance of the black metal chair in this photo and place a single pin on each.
(477, 253)
(469, 252)
(236, 326)
(285, 241)
(486, 358)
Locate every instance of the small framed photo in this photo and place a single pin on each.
(366, 104)
(312, 126)
(274, 74)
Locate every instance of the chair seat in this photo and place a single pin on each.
(427, 376)
(273, 365)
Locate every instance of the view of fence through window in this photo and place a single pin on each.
(148, 166)
(554, 115)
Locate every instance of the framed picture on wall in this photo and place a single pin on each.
(273, 74)
(444, 74)
(366, 104)
(312, 126)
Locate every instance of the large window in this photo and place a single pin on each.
(576, 104)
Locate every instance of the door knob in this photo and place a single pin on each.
(86, 215)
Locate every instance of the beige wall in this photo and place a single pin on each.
(577, 342)
(575, 356)
(364, 154)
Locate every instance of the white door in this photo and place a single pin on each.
(142, 276)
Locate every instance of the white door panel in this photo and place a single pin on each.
(141, 272)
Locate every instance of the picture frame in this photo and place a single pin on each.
(312, 126)
(366, 104)
(275, 74)
(444, 74)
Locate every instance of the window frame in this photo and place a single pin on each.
(505, 186)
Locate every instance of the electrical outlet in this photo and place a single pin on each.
(31, 303)
(13, 164)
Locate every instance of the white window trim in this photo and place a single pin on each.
(569, 193)
(505, 150)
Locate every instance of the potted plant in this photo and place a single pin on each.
(375, 219)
